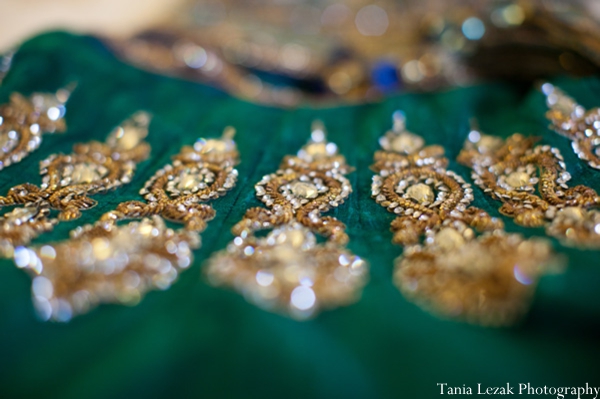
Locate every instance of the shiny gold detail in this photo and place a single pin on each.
(531, 182)
(573, 121)
(489, 144)
(178, 192)
(288, 271)
(67, 183)
(305, 190)
(108, 262)
(23, 120)
(421, 193)
(105, 263)
(458, 261)
(517, 179)
(22, 225)
(489, 280)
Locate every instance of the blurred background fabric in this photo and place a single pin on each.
(22, 19)
(289, 52)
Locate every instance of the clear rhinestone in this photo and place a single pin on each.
(304, 190)
(214, 146)
(449, 239)
(128, 137)
(420, 192)
(188, 181)
(489, 143)
(407, 143)
(84, 173)
(517, 179)
(316, 150)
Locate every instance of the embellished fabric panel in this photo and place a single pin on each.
(382, 346)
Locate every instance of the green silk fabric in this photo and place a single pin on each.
(194, 340)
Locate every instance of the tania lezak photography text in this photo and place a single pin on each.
(560, 392)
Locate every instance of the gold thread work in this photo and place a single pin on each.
(531, 182)
(108, 262)
(287, 271)
(23, 120)
(573, 121)
(458, 262)
(69, 180)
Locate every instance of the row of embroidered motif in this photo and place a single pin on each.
(467, 267)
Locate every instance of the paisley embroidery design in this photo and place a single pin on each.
(23, 121)
(112, 262)
(288, 271)
(573, 121)
(458, 262)
(69, 180)
(531, 182)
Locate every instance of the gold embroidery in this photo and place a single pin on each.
(288, 271)
(573, 121)
(111, 263)
(22, 225)
(68, 180)
(485, 278)
(24, 120)
(531, 182)
(198, 174)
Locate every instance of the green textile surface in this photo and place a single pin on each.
(194, 340)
